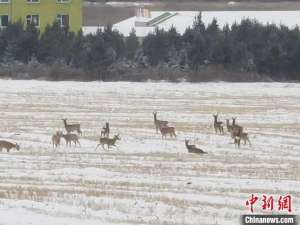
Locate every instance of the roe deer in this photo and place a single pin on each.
(72, 127)
(69, 138)
(8, 145)
(108, 141)
(167, 130)
(193, 148)
(236, 130)
(56, 139)
(159, 123)
(218, 125)
(105, 131)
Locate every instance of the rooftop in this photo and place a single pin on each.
(181, 20)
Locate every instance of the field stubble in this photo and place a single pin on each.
(149, 180)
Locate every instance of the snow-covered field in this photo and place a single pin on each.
(148, 180)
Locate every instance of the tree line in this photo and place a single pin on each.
(246, 47)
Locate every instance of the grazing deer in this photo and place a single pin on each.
(105, 131)
(72, 127)
(236, 130)
(193, 148)
(167, 130)
(108, 141)
(8, 145)
(218, 125)
(159, 123)
(56, 139)
(69, 138)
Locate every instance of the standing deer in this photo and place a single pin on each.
(105, 131)
(218, 125)
(236, 130)
(56, 139)
(193, 148)
(8, 145)
(72, 127)
(69, 138)
(159, 123)
(167, 130)
(108, 141)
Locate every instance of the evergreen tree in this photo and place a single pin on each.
(114, 40)
(56, 44)
(132, 44)
(29, 44)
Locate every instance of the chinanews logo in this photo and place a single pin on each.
(270, 204)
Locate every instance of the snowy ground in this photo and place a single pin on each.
(149, 180)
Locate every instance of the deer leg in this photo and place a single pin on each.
(97, 147)
(249, 142)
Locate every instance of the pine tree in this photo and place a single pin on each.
(132, 44)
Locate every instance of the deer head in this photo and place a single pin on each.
(233, 120)
(155, 115)
(215, 117)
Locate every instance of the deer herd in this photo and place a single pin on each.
(236, 133)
